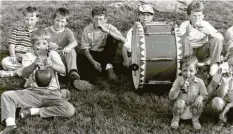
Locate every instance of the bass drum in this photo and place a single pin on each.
(156, 51)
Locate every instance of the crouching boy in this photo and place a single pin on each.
(189, 93)
(36, 100)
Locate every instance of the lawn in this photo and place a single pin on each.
(112, 108)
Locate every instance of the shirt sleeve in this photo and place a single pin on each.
(84, 40)
(202, 87)
(70, 36)
(127, 43)
(182, 28)
(173, 92)
(13, 39)
(56, 58)
(114, 29)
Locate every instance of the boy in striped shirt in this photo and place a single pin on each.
(20, 43)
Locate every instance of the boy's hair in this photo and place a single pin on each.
(41, 34)
(188, 60)
(30, 10)
(62, 12)
(195, 6)
(99, 10)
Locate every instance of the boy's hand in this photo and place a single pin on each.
(53, 46)
(48, 62)
(127, 62)
(103, 26)
(66, 50)
(97, 66)
(38, 62)
(198, 102)
(223, 117)
(13, 59)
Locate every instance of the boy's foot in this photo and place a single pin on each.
(9, 130)
(111, 74)
(219, 125)
(206, 62)
(73, 75)
(175, 123)
(24, 113)
(196, 125)
(4, 73)
(83, 85)
(66, 94)
(213, 69)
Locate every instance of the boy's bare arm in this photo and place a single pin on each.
(216, 35)
(116, 35)
(72, 44)
(59, 68)
(28, 70)
(227, 107)
(12, 50)
(203, 91)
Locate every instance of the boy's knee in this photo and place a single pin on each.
(216, 41)
(69, 110)
(218, 104)
(7, 94)
(179, 104)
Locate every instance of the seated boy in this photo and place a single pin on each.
(146, 13)
(64, 41)
(201, 38)
(20, 43)
(34, 100)
(99, 42)
(189, 93)
(221, 88)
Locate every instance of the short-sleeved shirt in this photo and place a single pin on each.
(128, 40)
(21, 38)
(30, 57)
(197, 38)
(61, 38)
(95, 39)
(194, 89)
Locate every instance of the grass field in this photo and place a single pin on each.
(112, 108)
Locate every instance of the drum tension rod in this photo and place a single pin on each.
(134, 67)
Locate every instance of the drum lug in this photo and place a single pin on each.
(134, 67)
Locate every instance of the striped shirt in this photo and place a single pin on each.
(21, 38)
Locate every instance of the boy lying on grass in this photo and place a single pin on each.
(189, 93)
(34, 100)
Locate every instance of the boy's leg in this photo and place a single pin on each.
(108, 54)
(196, 115)
(178, 109)
(9, 68)
(212, 49)
(218, 104)
(186, 46)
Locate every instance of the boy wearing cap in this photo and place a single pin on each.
(99, 43)
(201, 38)
(146, 13)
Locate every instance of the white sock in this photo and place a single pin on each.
(10, 121)
(35, 111)
(108, 66)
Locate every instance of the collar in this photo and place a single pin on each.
(57, 31)
(194, 80)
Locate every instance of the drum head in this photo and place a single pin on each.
(138, 42)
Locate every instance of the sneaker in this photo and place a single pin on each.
(219, 125)
(206, 62)
(9, 130)
(111, 74)
(175, 123)
(66, 94)
(213, 69)
(24, 113)
(196, 125)
(83, 85)
(73, 75)
(4, 73)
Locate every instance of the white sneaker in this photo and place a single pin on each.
(4, 73)
(213, 69)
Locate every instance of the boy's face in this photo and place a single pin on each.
(40, 47)
(99, 19)
(59, 23)
(188, 71)
(145, 17)
(196, 17)
(30, 20)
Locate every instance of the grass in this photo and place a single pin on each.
(114, 108)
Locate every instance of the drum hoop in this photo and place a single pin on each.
(178, 49)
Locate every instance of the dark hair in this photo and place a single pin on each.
(195, 6)
(41, 34)
(63, 12)
(99, 11)
(30, 10)
(188, 60)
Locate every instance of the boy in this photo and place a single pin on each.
(20, 43)
(63, 40)
(201, 38)
(189, 93)
(35, 100)
(99, 42)
(146, 13)
(221, 87)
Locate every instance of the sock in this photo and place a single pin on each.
(10, 121)
(108, 66)
(35, 111)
